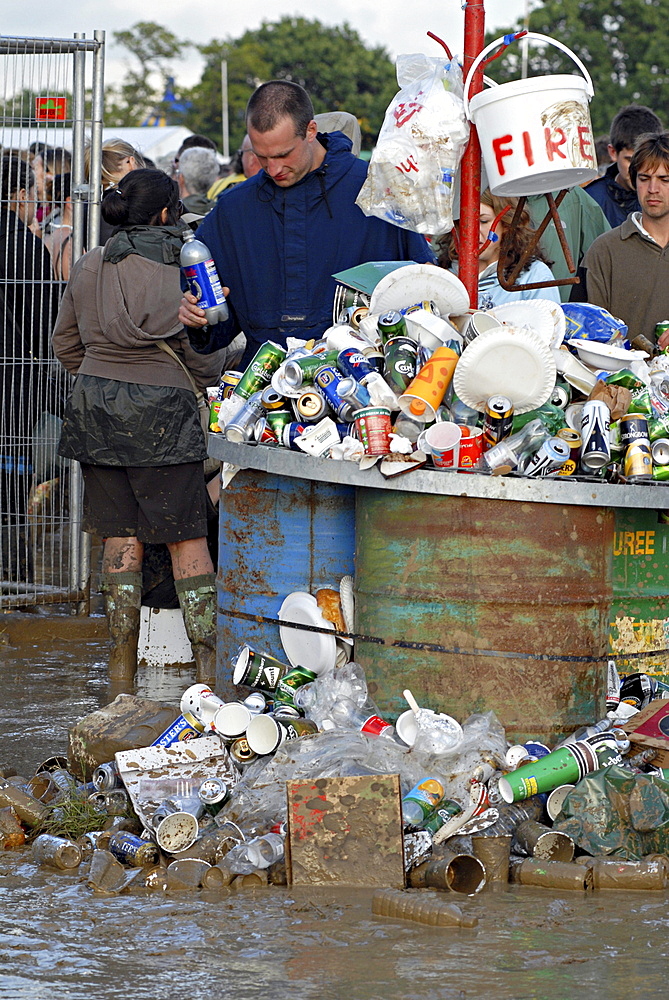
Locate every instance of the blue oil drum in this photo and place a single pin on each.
(277, 534)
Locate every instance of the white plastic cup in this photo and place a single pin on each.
(231, 720)
(201, 702)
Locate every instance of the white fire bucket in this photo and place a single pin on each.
(535, 134)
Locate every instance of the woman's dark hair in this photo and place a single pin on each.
(15, 174)
(513, 244)
(139, 199)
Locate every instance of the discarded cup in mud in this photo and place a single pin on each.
(187, 873)
(549, 874)
(29, 809)
(106, 874)
(493, 853)
(231, 720)
(556, 799)
(177, 832)
(56, 852)
(257, 669)
(265, 733)
(260, 852)
(199, 700)
(539, 841)
(458, 872)
(615, 873)
(132, 850)
(441, 441)
(567, 764)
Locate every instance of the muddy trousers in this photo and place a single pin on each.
(122, 594)
(197, 597)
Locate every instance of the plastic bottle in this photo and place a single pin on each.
(514, 451)
(347, 715)
(419, 803)
(261, 852)
(199, 270)
(583, 731)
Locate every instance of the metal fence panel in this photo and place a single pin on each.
(50, 109)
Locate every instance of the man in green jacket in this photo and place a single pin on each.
(627, 269)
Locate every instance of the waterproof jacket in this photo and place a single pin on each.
(277, 249)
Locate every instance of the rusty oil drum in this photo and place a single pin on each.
(277, 534)
(517, 579)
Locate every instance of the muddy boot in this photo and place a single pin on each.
(197, 597)
(123, 600)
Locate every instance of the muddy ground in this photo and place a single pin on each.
(58, 941)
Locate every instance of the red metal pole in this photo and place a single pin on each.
(470, 177)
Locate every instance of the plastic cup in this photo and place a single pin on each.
(425, 394)
(442, 441)
(471, 447)
(201, 701)
(231, 720)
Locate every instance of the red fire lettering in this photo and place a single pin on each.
(585, 140)
(403, 112)
(553, 147)
(500, 152)
(527, 147)
(408, 166)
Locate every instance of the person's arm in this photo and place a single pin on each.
(66, 340)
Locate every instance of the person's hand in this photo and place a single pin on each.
(190, 313)
(664, 340)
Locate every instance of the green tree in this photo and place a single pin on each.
(621, 42)
(331, 63)
(153, 48)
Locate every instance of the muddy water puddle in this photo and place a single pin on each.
(59, 941)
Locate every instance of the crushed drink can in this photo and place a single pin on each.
(291, 432)
(426, 304)
(106, 777)
(327, 379)
(213, 793)
(242, 426)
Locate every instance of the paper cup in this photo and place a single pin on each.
(556, 799)
(201, 701)
(425, 394)
(539, 841)
(231, 720)
(479, 322)
(493, 853)
(373, 426)
(442, 441)
(471, 447)
(177, 832)
(265, 733)
(257, 669)
(569, 763)
(407, 728)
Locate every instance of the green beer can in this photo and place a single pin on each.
(277, 420)
(658, 428)
(641, 403)
(391, 324)
(399, 367)
(626, 379)
(302, 371)
(290, 682)
(259, 373)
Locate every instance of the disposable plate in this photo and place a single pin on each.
(418, 283)
(512, 362)
(317, 651)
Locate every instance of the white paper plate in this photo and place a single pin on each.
(606, 356)
(316, 651)
(416, 283)
(513, 362)
(534, 313)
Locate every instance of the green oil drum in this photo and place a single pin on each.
(478, 604)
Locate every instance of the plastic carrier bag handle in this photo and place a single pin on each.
(537, 38)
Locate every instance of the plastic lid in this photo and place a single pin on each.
(417, 406)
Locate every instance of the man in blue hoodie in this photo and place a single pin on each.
(278, 238)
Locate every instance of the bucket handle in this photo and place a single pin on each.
(538, 38)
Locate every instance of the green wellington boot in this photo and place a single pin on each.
(123, 600)
(197, 597)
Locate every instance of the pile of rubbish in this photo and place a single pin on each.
(302, 781)
(409, 375)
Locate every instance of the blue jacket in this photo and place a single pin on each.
(277, 249)
(615, 201)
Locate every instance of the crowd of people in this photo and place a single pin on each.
(280, 220)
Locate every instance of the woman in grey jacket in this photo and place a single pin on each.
(132, 418)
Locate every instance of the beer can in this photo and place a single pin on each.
(392, 324)
(277, 420)
(227, 384)
(633, 427)
(497, 420)
(595, 447)
(561, 395)
(242, 426)
(354, 314)
(263, 433)
(310, 406)
(106, 777)
(259, 373)
(290, 682)
(292, 431)
(641, 403)
(241, 752)
(185, 727)
(638, 461)
(353, 392)
(132, 850)
(353, 363)
(658, 428)
(661, 475)
(256, 702)
(401, 358)
(271, 399)
(213, 793)
(573, 439)
(327, 379)
(301, 371)
(282, 711)
(661, 328)
(625, 378)
(257, 669)
(426, 304)
(551, 456)
(660, 451)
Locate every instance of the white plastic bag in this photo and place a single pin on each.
(423, 137)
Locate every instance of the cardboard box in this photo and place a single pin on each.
(345, 831)
(649, 728)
